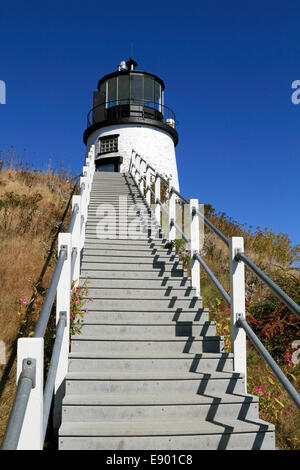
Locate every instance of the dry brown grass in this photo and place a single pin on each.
(28, 226)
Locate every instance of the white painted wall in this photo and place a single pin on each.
(155, 145)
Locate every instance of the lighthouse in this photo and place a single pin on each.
(129, 113)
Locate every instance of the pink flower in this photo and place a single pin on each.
(286, 413)
(258, 390)
(267, 395)
(258, 368)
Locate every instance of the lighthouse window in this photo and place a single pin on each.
(108, 144)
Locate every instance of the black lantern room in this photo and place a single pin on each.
(130, 96)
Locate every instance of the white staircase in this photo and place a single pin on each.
(147, 370)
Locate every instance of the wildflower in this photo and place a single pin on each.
(258, 390)
(258, 368)
(287, 357)
(286, 413)
(267, 395)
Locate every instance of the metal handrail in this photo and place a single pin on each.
(221, 289)
(271, 284)
(180, 231)
(16, 418)
(270, 361)
(49, 386)
(173, 190)
(212, 226)
(48, 303)
(162, 206)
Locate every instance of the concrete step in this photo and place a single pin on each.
(128, 197)
(149, 318)
(164, 269)
(153, 383)
(114, 189)
(156, 294)
(150, 242)
(171, 285)
(135, 260)
(113, 232)
(114, 331)
(164, 276)
(119, 256)
(147, 345)
(123, 246)
(131, 363)
(136, 254)
(167, 407)
(136, 305)
(91, 223)
(118, 198)
(186, 434)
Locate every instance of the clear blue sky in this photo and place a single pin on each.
(228, 68)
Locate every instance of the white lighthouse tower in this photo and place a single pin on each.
(129, 114)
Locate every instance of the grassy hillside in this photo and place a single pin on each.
(33, 209)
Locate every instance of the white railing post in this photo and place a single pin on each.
(93, 154)
(83, 210)
(138, 167)
(136, 174)
(172, 213)
(237, 287)
(148, 185)
(142, 182)
(31, 437)
(157, 198)
(132, 163)
(195, 245)
(87, 174)
(76, 238)
(63, 305)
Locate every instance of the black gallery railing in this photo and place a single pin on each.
(142, 109)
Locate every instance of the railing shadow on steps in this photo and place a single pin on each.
(142, 173)
(27, 424)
